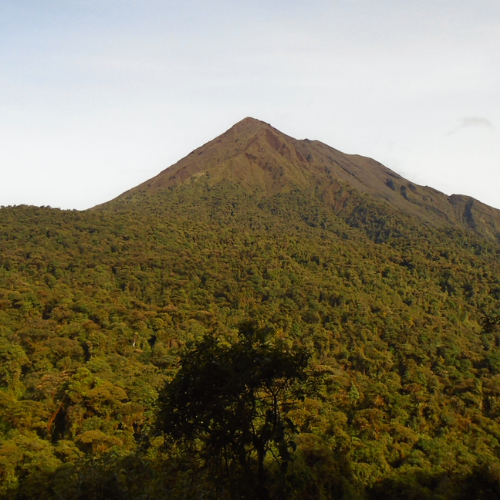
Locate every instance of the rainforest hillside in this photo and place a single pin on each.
(399, 315)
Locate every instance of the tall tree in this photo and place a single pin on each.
(229, 403)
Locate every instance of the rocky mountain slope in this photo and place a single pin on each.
(265, 162)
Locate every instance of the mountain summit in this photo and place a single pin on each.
(264, 162)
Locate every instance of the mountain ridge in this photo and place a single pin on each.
(265, 162)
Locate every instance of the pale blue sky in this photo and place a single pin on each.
(98, 96)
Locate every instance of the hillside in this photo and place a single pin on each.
(264, 162)
(399, 312)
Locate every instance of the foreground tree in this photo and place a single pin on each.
(229, 405)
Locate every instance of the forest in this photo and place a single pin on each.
(205, 342)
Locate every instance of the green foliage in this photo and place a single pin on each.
(231, 402)
(97, 308)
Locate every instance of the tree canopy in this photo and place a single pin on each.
(98, 307)
(231, 402)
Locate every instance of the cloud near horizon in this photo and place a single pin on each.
(472, 122)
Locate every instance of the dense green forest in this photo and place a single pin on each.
(100, 311)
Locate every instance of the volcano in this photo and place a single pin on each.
(264, 162)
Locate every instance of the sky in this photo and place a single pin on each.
(97, 96)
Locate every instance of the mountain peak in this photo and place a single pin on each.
(251, 153)
(263, 161)
(249, 127)
(250, 122)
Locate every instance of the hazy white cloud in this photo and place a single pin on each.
(475, 122)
